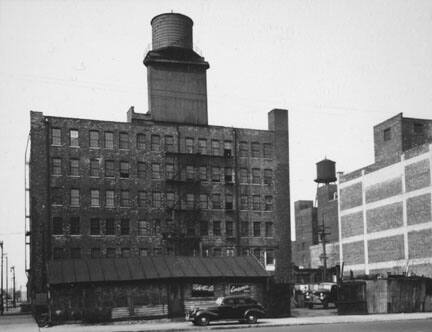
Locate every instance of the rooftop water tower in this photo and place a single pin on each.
(326, 171)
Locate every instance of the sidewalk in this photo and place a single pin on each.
(13, 322)
(167, 325)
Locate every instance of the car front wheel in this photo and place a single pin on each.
(251, 318)
(203, 320)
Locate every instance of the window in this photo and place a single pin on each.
(75, 226)
(169, 143)
(109, 227)
(216, 228)
(156, 171)
(268, 150)
(155, 142)
(95, 253)
(110, 252)
(57, 226)
(142, 199)
(124, 227)
(143, 252)
(228, 202)
(109, 140)
(169, 171)
(57, 196)
(255, 149)
(244, 228)
(229, 228)
(244, 149)
(124, 169)
(256, 202)
(94, 138)
(203, 228)
(144, 228)
(156, 200)
(230, 252)
(124, 198)
(56, 166)
(215, 174)
(156, 227)
(55, 136)
(170, 200)
(244, 202)
(203, 201)
(256, 176)
(94, 198)
(124, 141)
(217, 252)
(270, 259)
(268, 229)
(140, 141)
(190, 201)
(190, 228)
(203, 173)
(95, 226)
(58, 253)
(141, 170)
(215, 148)
(190, 172)
(74, 197)
(268, 203)
(228, 174)
(109, 198)
(189, 143)
(216, 201)
(109, 168)
(157, 251)
(75, 253)
(257, 228)
(202, 146)
(387, 134)
(268, 176)
(74, 167)
(94, 167)
(228, 149)
(244, 175)
(73, 138)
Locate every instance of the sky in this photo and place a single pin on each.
(338, 66)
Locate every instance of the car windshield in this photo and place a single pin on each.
(219, 300)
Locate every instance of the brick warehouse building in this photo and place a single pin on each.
(162, 183)
(385, 213)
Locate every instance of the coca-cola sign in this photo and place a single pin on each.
(202, 290)
(240, 289)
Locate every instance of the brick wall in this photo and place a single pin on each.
(387, 146)
(419, 209)
(383, 190)
(419, 244)
(417, 175)
(353, 253)
(384, 217)
(386, 249)
(351, 196)
(352, 224)
(328, 211)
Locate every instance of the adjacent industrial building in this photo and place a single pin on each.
(385, 223)
(163, 183)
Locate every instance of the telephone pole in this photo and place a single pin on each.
(323, 234)
(13, 283)
(7, 277)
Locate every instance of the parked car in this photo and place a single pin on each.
(241, 308)
(325, 293)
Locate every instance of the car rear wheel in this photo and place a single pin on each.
(203, 320)
(251, 318)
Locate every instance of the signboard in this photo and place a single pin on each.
(202, 290)
(237, 289)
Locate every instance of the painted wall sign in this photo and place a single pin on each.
(202, 290)
(240, 289)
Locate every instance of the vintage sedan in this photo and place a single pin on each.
(325, 293)
(241, 308)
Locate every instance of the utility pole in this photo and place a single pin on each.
(13, 283)
(1, 300)
(323, 234)
(7, 276)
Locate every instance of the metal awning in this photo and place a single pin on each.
(148, 268)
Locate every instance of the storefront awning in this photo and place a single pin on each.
(147, 268)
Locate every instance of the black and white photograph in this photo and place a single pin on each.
(215, 165)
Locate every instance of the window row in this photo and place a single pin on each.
(153, 228)
(111, 168)
(159, 200)
(266, 255)
(107, 140)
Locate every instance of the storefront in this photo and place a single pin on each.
(148, 287)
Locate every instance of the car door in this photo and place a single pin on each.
(241, 306)
(226, 310)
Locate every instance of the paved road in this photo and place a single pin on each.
(393, 326)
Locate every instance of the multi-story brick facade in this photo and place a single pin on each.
(385, 220)
(306, 227)
(162, 183)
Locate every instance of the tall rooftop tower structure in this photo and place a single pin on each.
(176, 74)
